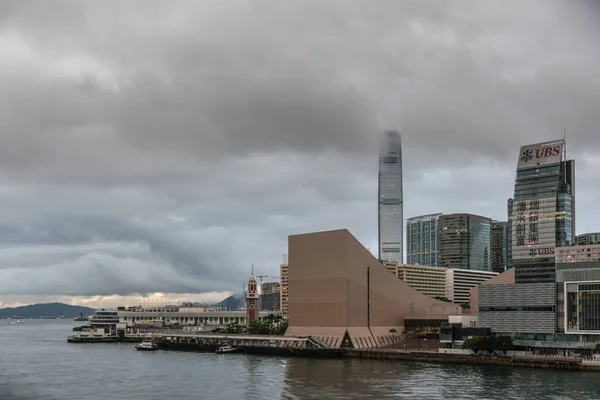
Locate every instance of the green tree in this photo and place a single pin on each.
(234, 328)
(259, 328)
(504, 343)
(489, 344)
(280, 330)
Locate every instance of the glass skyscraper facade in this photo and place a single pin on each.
(588, 238)
(464, 241)
(499, 246)
(391, 218)
(542, 212)
(422, 240)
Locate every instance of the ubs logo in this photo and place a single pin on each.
(544, 152)
(527, 155)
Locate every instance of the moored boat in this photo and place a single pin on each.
(147, 345)
(226, 349)
(93, 336)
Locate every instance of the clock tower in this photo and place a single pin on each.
(251, 301)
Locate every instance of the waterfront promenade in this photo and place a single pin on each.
(311, 347)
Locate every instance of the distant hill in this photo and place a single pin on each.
(237, 301)
(234, 302)
(46, 310)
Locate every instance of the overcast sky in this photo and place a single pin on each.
(165, 146)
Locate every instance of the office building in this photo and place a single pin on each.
(270, 288)
(422, 240)
(588, 238)
(542, 215)
(509, 262)
(429, 280)
(578, 285)
(390, 214)
(461, 281)
(499, 246)
(284, 275)
(526, 309)
(464, 241)
(270, 296)
(439, 282)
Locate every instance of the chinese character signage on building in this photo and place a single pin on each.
(534, 228)
(534, 155)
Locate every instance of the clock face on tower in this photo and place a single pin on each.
(251, 306)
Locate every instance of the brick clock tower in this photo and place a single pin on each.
(251, 301)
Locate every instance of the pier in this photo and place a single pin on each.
(249, 343)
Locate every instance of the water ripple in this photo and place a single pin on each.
(37, 363)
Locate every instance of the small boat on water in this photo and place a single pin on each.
(226, 349)
(147, 345)
(81, 318)
(19, 321)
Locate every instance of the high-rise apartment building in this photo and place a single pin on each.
(439, 282)
(430, 281)
(284, 275)
(422, 239)
(499, 246)
(543, 210)
(390, 222)
(464, 241)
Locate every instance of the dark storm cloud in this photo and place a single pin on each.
(166, 146)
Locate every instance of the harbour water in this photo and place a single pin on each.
(36, 362)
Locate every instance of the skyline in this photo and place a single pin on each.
(175, 149)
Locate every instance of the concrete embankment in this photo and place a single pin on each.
(533, 362)
(430, 357)
(277, 346)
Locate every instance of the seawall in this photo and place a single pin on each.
(524, 362)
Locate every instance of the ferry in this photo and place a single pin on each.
(147, 345)
(226, 349)
(93, 336)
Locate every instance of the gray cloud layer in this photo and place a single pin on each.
(153, 146)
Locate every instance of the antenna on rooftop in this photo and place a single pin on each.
(565, 150)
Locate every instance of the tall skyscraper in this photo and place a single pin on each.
(391, 219)
(543, 210)
(499, 246)
(464, 241)
(422, 240)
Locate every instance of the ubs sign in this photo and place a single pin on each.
(535, 155)
(534, 228)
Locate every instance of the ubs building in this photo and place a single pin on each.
(542, 212)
